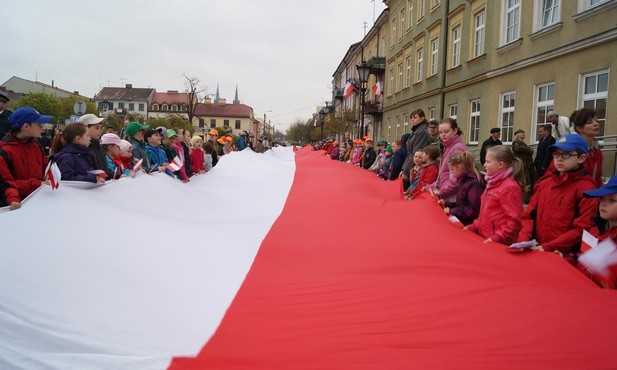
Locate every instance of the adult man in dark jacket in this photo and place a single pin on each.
(492, 140)
(543, 159)
(5, 126)
(418, 139)
(369, 156)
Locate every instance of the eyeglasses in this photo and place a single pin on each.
(564, 155)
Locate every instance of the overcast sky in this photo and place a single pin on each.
(280, 53)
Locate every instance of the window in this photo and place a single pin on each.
(393, 32)
(456, 46)
(238, 124)
(174, 108)
(512, 14)
(595, 95)
(550, 12)
(391, 85)
(120, 105)
(164, 107)
(202, 122)
(110, 105)
(212, 122)
(431, 113)
(408, 72)
(545, 100)
(131, 106)
(406, 121)
(141, 107)
(101, 106)
(584, 5)
(434, 4)
(474, 121)
(478, 39)
(421, 9)
(453, 111)
(155, 107)
(398, 124)
(434, 56)
(410, 20)
(402, 29)
(507, 116)
(399, 82)
(419, 64)
(226, 123)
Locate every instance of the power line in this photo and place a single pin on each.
(297, 110)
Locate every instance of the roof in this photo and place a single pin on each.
(124, 93)
(170, 97)
(36, 87)
(223, 110)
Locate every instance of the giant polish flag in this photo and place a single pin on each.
(282, 260)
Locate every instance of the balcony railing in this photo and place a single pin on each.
(377, 65)
(373, 108)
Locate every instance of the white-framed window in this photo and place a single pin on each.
(399, 84)
(393, 32)
(408, 62)
(431, 113)
(545, 102)
(398, 125)
(174, 108)
(549, 14)
(506, 110)
(391, 85)
(434, 56)
(405, 121)
(141, 107)
(595, 95)
(402, 22)
(474, 121)
(421, 9)
(155, 107)
(390, 127)
(511, 21)
(453, 111)
(419, 64)
(410, 20)
(121, 105)
(131, 106)
(584, 5)
(434, 4)
(478, 35)
(456, 46)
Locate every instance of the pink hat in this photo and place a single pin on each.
(111, 139)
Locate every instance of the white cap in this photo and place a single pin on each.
(90, 119)
(111, 139)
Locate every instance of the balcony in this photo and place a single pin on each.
(337, 93)
(377, 65)
(373, 108)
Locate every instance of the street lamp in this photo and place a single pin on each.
(322, 119)
(265, 130)
(363, 72)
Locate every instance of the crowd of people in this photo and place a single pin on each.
(542, 204)
(82, 152)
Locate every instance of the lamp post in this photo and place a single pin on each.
(363, 72)
(265, 130)
(322, 119)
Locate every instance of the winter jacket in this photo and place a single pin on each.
(447, 184)
(501, 208)
(74, 162)
(197, 160)
(468, 198)
(139, 152)
(98, 157)
(357, 155)
(157, 157)
(335, 153)
(187, 159)
(396, 165)
(368, 158)
(25, 171)
(181, 174)
(428, 175)
(558, 213)
(418, 140)
(486, 145)
(593, 164)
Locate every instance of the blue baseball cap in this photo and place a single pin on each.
(607, 189)
(25, 115)
(569, 143)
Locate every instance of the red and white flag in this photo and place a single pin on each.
(98, 173)
(377, 88)
(52, 173)
(316, 121)
(175, 165)
(262, 281)
(349, 88)
(137, 166)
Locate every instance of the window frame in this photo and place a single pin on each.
(508, 37)
(544, 102)
(419, 64)
(474, 120)
(456, 46)
(434, 56)
(596, 96)
(507, 128)
(408, 62)
(479, 33)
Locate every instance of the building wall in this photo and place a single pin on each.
(246, 123)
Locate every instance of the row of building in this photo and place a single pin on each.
(487, 63)
(207, 114)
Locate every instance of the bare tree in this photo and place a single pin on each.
(194, 89)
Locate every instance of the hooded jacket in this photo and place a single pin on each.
(25, 172)
(74, 162)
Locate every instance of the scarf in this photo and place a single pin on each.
(498, 176)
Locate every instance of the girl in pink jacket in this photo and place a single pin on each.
(450, 135)
(501, 206)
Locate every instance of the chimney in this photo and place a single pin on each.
(172, 91)
(208, 100)
(222, 101)
(52, 83)
(76, 92)
(129, 86)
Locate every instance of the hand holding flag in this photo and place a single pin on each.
(52, 173)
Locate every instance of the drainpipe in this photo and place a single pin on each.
(444, 66)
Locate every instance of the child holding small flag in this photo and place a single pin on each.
(111, 146)
(156, 155)
(74, 158)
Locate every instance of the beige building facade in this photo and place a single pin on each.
(500, 63)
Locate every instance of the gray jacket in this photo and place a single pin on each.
(418, 140)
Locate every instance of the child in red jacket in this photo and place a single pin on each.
(430, 170)
(501, 206)
(558, 213)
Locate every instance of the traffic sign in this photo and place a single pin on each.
(79, 108)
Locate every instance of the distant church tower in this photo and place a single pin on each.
(218, 97)
(236, 100)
